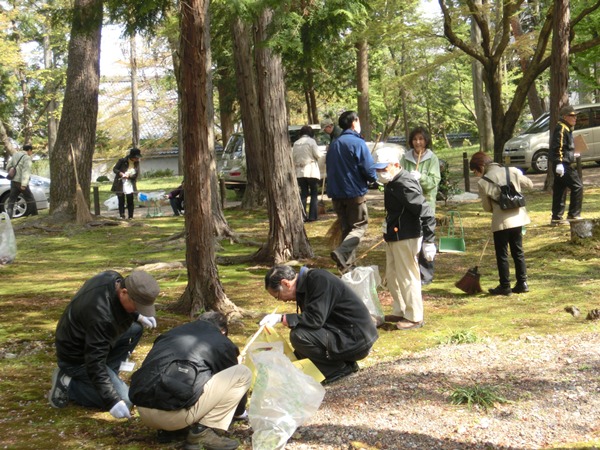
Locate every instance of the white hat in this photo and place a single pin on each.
(385, 156)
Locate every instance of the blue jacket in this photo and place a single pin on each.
(349, 164)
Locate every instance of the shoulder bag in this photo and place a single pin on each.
(12, 172)
(509, 198)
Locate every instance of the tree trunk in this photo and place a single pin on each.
(52, 126)
(254, 196)
(77, 126)
(559, 69)
(483, 114)
(135, 116)
(204, 290)
(227, 95)
(287, 237)
(362, 82)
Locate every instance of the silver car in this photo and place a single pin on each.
(40, 188)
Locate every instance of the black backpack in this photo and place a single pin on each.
(509, 198)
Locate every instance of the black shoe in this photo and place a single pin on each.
(348, 369)
(166, 436)
(341, 262)
(501, 290)
(520, 288)
(58, 395)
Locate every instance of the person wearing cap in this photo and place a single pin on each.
(331, 129)
(98, 330)
(191, 383)
(349, 172)
(409, 226)
(126, 171)
(562, 157)
(21, 161)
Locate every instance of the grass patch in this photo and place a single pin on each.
(459, 337)
(484, 397)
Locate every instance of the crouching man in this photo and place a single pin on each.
(191, 381)
(98, 330)
(334, 328)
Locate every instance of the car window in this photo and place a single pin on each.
(583, 119)
(540, 125)
(234, 147)
(595, 117)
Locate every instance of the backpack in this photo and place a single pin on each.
(509, 198)
(12, 172)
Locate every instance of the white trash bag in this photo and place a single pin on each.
(8, 241)
(283, 398)
(112, 203)
(364, 281)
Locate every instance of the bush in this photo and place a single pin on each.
(102, 179)
(482, 396)
(158, 173)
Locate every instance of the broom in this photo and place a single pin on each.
(83, 212)
(469, 283)
(321, 205)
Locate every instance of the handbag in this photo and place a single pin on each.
(509, 198)
(12, 172)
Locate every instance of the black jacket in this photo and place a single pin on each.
(408, 213)
(122, 165)
(327, 302)
(562, 146)
(179, 364)
(90, 326)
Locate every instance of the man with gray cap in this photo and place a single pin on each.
(331, 129)
(97, 332)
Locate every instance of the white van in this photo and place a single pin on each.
(529, 150)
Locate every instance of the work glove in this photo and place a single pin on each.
(560, 170)
(147, 322)
(271, 320)
(120, 411)
(429, 251)
(416, 174)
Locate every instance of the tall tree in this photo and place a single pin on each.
(77, 127)
(287, 237)
(204, 290)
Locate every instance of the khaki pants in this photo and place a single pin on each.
(214, 408)
(403, 278)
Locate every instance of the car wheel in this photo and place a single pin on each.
(20, 207)
(539, 162)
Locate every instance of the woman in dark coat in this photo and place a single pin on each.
(126, 172)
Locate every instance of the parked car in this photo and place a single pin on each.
(40, 188)
(529, 150)
(232, 165)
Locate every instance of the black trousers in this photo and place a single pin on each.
(504, 239)
(425, 268)
(572, 181)
(310, 187)
(121, 198)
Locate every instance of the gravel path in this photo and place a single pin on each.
(552, 385)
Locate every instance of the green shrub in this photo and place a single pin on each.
(483, 396)
(460, 337)
(158, 173)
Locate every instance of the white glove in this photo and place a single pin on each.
(120, 411)
(560, 170)
(429, 251)
(147, 322)
(271, 320)
(416, 174)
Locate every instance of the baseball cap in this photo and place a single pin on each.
(385, 156)
(326, 123)
(567, 111)
(143, 290)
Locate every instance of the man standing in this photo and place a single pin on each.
(21, 161)
(191, 381)
(562, 156)
(349, 170)
(334, 328)
(331, 129)
(99, 329)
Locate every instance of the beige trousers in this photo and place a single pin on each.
(404, 279)
(215, 407)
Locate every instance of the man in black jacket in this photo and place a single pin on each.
(334, 328)
(99, 329)
(562, 157)
(191, 380)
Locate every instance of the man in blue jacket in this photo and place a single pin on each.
(349, 170)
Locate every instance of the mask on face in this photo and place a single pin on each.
(384, 177)
(357, 127)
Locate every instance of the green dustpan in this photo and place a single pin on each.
(454, 241)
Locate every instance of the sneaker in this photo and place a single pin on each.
(339, 260)
(501, 290)
(406, 324)
(58, 395)
(200, 436)
(348, 369)
(167, 436)
(558, 222)
(520, 288)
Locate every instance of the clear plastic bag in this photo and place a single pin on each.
(8, 241)
(364, 281)
(283, 399)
